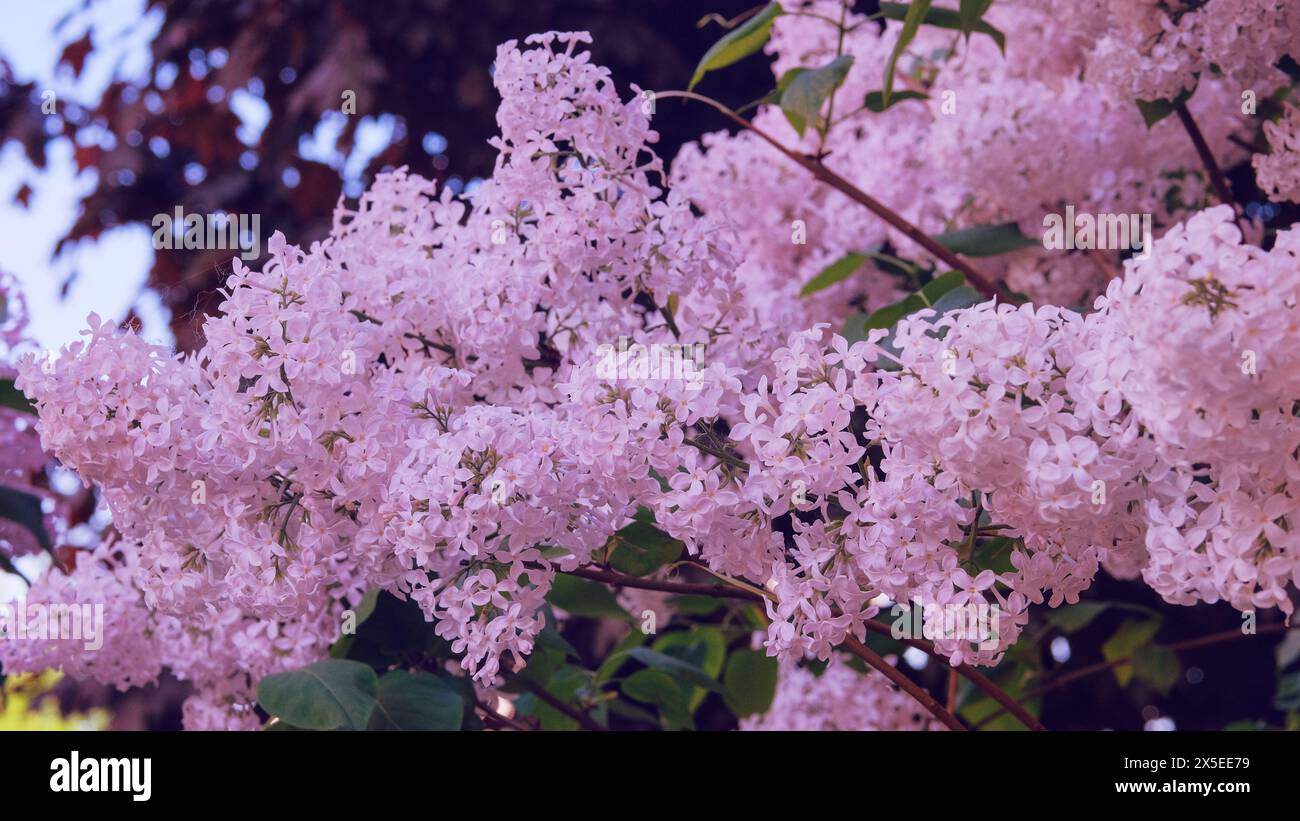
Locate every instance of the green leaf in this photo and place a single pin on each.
(947, 19)
(14, 399)
(995, 554)
(1015, 678)
(738, 44)
(945, 293)
(1287, 695)
(679, 669)
(911, 23)
(940, 286)
(695, 605)
(1153, 111)
(549, 638)
(366, 606)
(875, 100)
(584, 598)
(618, 656)
(24, 509)
(1076, 616)
(1246, 726)
(956, 299)
(1288, 650)
(802, 101)
(655, 687)
(327, 695)
(986, 240)
(542, 664)
(621, 707)
(641, 548)
(564, 685)
(1132, 638)
(838, 271)
(1158, 666)
(750, 681)
(394, 630)
(969, 14)
(703, 647)
(416, 701)
(773, 97)
(281, 727)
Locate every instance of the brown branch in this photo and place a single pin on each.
(1217, 180)
(491, 716)
(819, 170)
(1009, 704)
(1189, 644)
(965, 670)
(610, 577)
(913, 689)
(585, 721)
(1092, 669)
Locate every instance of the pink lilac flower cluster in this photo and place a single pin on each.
(839, 698)
(419, 403)
(1278, 171)
(390, 407)
(1049, 135)
(1203, 350)
(1156, 49)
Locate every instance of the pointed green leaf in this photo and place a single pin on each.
(641, 548)
(585, 598)
(750, 680)
(969, 14)
(875, 100)
(1132, 638)
(688, 673)
(738, 44)
(802, 101)
(416, 701)
(12, 398)
(327, 695)
(944, 18)
(911, 23)
(986, 240)
(838, 271)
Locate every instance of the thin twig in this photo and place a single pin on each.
(965, 670)
(682, 588)
(1217, 180)
(913, 689)
(972, 675)
(819, 170)
(585, 721)
(493, 717)
(1187, 644)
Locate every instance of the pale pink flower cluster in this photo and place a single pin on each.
(1154, 435)
(840, 698)
(391, 407)
(1155, 49)
(418, 402)
(1204, 350)
(1278, 171)
(1049, 136)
